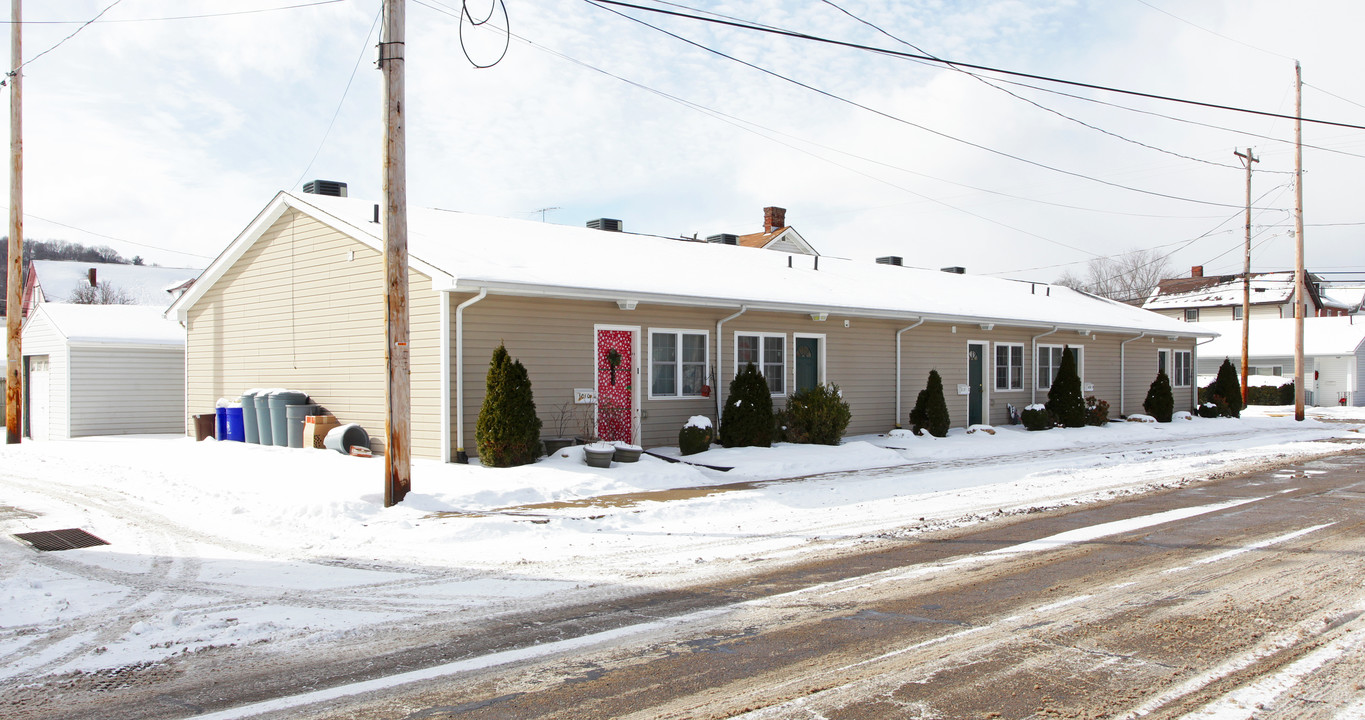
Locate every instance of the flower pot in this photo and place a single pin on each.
(627, 453)
(555, 444)
(598, 455)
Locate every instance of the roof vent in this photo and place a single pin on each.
(325, 187)
(889, 260)
(955, 269)
(723, 239)
(607, 224)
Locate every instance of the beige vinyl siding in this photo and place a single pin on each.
(126, 390)
(41, 338)
(303, 308)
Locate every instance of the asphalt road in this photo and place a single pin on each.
(1238, 597)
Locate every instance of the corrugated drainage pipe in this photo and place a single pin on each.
(460, 455)
(898, 368)
(720, 358)
(1123, 382)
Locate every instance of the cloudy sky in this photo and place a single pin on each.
(163, 136)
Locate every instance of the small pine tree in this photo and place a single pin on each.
(817, 415)
(508, 431)
(1160, 403)
(1064, 398)
(931, 410)
(747, 419)
(1228, 387)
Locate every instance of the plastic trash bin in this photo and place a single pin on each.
(233, 423)
(262, 403)
(249, 431)
(220, 424)
(203, 425)
(279, 400)
(342, 437)
(294, 416)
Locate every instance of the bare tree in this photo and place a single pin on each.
(1128, 277)
(101, 294)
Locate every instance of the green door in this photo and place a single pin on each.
(807, 363)
(975, 357)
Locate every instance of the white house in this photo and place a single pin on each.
(1333, 351)
(102, 370)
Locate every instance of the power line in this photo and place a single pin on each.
(111, 237)
(985, 68)
(1211, 32)
(895, 118)
(83, 26)
(176, 17)
(363, 47)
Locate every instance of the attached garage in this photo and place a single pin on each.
(102, 370)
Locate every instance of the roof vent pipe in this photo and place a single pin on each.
(376, 214)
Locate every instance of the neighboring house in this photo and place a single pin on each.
(1201, 298)
(297, 300)
(776, 235)
(60, 281)
(1347, 295)
(102, 370)
(1333, 355)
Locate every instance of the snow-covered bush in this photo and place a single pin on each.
(1036, 417)
(1160, 403)
(817, 415)
(1096, 412)
(696, 435)
(747, 419)
(1218, 408)
(508, 430)
(931, 410)
(1064, 399)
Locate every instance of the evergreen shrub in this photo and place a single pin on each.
(1228, 387)
(1064, 399)
(747, 420)
(931, 410)
(1160, 402)
(695, 436)
(1270, 395)
(1036, 417)
(508, 431)
(817, 415)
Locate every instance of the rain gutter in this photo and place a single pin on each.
(1123, 384)
(720, 357)
(1033, 386)
(460, 455)
(898, 367)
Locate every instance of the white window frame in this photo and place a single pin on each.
(762, 359)
(1038, 366)
(1166, 359)
(821, 359)
(1236, 312)
(1176, 369)
(1191, 314)
(995, 368)
(678, 334)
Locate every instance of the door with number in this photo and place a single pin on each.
(976, 386)
(615, 362)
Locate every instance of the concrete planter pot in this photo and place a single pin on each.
(627, 453)
(555, 444)
(598, 455)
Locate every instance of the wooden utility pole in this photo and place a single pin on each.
(14, 309)
(398, 393)
(1246, 277)
(1298, 241)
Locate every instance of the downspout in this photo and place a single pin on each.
(460, 455)
(1033, 386)
(1194, 372)
(898, 368)
(720, 357)
(1123, 383)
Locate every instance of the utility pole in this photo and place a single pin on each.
(14, 309)
(398, 393)
(1246, 277)
(1298, 241)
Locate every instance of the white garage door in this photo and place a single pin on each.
(38, 396)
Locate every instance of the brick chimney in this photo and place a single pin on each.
(1197, 271)
(774, 218)
(91, 275)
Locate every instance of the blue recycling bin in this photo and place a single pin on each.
(220, 423)
(233, 424)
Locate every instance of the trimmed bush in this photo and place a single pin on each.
(508, 431)
(1036, 417)
(1214, 408)
(1228, 387)
(817, 415)
(1064, 399)
(747, 420)
(1160, 403)
(1269, 395)
(1096, 412)
(696, 435)
(931, 410)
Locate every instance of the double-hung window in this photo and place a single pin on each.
(1050, 361)
(1184, 368)
(677, 363)
(1009, 366)
(768, 353)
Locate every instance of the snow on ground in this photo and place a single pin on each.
(216, 544)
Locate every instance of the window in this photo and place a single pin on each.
(1236, 312)
(1191, 314)
(1184, 369)
(1050, 361)
(768, 353)
(1009, 366)
(1163, 362)
(677, 363)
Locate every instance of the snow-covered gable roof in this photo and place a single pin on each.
(783, 238)
(111, 324)
(141, 284)
(1214, 291)
(1274, 337)
(466, 252)
(1344, 296)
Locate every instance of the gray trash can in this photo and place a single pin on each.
(342, 437)
(262, 403)
(293, 421)
(249, 430)
(279, 423)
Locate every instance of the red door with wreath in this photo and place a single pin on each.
(615, 386)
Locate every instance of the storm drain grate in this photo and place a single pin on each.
(68, 539)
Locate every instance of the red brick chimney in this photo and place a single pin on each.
(91, 275)
(1197, 271)
(774, 218)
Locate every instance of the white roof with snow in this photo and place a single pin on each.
(1322, 336)
(468, 252)
(1276, 287)
(111, 324)
(142, 284)
(1346, 296)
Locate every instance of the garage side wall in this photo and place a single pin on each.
(303, 308)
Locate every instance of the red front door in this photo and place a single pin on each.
(615, 386)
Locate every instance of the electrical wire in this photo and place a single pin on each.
(175, 17)
(110, 237)
(1211, 32)
(506, 26)
(83, 26)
